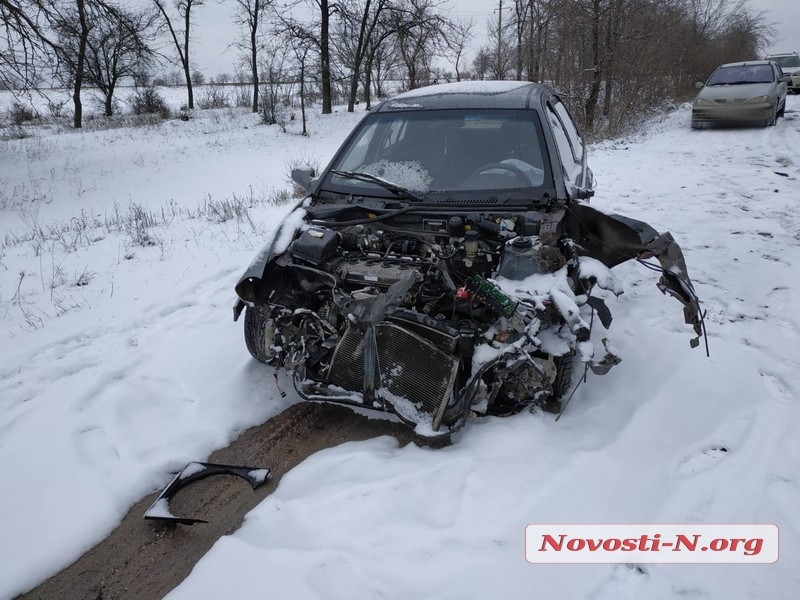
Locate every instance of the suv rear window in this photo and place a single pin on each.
(786, 62)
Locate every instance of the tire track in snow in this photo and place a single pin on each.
(140, 559)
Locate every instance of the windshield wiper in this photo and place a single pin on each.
(397, 190)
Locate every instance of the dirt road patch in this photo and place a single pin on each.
(145, 560)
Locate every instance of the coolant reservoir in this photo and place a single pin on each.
(522, 257)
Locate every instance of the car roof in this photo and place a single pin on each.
(781, 55)
(469, 94)
(746, 63)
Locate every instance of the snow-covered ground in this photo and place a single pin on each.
(120, 364)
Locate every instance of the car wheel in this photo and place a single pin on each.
(782, 111)
(696, 125)
(774, 119)
(563, 375)
(259, 333)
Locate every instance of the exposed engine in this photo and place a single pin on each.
(431, 320)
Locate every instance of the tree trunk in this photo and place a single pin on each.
(597, 77)
(254, 56)
(351, 99)
(520, 34)
(325, 58)
(187, 74)
(531, 52)
(303, 93)
(77, 121)
(367, 84)
(358, 58)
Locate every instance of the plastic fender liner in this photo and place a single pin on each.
(611, 239)
(614, 239)
(195, 471)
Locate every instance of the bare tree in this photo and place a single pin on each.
(273, 68)
(359, 20)
(500, 52)
(250, 14)
(457, 42)
(184, 12)
(421, 31)
(27, 46)
(325, 54)
(116, 48)
(540, 13)
(74, 24)
(383, 58)
(520, 23)
(301, 51)
(316, 33)
(481, 64)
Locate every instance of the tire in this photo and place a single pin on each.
(562, 385)
(782, 111)
(563, 382)
(772, 121)
(256, 322)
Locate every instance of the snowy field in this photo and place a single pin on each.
(120, 364)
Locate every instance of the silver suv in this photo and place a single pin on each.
(790, 65)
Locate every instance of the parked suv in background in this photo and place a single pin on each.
(790, 65)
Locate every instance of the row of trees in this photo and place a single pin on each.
(101, 42)
(608, 58)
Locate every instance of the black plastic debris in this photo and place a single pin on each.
(195, 471)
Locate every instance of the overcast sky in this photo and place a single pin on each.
(214, 30)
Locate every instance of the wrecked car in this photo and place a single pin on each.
(443, 264)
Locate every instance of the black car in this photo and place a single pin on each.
(443, 264)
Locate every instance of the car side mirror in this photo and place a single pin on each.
(786, 79)
(302, 176)
(699, 85)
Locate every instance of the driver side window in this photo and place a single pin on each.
(568, 140)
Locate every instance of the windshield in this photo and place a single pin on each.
(787, 62)
(741, 74)
(445, 154)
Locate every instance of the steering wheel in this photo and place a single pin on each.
(521, 176)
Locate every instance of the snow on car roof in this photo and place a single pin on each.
(746, 63)
(465, 87)
(467, 94)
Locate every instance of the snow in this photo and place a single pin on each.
(461, 87)
(259, 475)
(410, 174)
(107, 388)
(160, 509)
(191, 469)
(591, 267)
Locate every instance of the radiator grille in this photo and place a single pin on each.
(409, 366)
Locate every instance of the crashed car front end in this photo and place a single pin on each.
(434, 326)
(438, 310)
